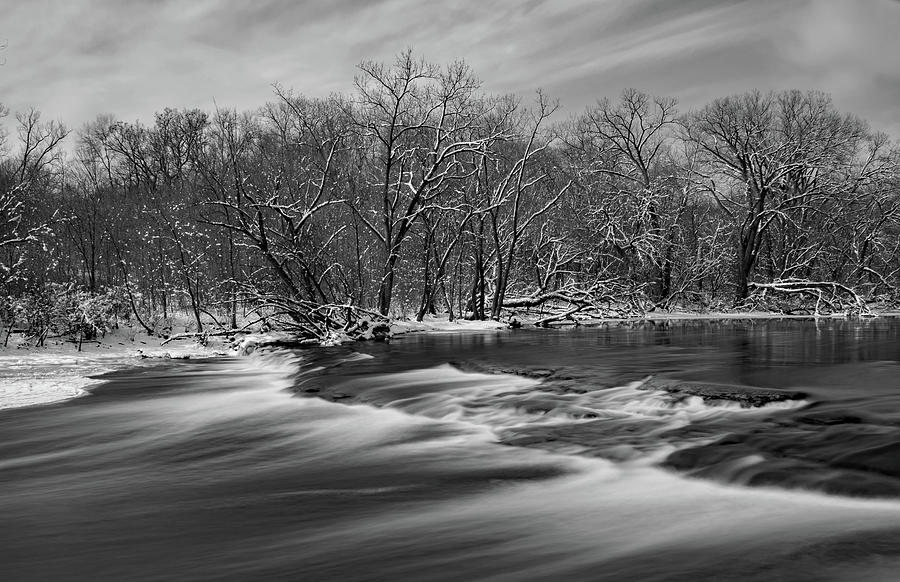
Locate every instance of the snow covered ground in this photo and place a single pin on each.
(31, 375)
(441, 324)
(58, 371)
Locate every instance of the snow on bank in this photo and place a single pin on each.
(249, 343)
(40, 389)
(441, 324)
(58, 371)
(31, 375)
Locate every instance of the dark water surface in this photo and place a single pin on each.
(759, 450)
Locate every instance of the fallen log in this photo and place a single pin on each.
(831, 294)
(596, 300)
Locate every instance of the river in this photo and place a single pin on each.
(709, 450)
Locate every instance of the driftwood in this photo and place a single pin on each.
(568, 314)
(833, 296)
(310, 323)
(317, 321)
(597, 300)
(202, 335)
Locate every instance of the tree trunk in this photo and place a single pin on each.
(386, 290)
(747, 261)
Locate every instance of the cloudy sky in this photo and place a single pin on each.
(75, 59)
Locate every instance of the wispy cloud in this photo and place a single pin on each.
(78, 58)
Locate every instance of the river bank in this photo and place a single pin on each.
(35, 375)
(581, 454)
(57, 371)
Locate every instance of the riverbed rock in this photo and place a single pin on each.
(844, 459)
(746, 396)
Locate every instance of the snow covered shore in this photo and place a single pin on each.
(58, 371)
(41, 375)
(441, 324)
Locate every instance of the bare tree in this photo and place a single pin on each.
(275, 181)
(25, 176)
(421, 121)
(634, 132)
(772, 159)
(513, 183)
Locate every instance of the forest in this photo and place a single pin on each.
(418, 192)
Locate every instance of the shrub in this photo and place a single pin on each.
(64, 310)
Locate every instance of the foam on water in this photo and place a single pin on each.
(501, 405)
(596, 513)
(216, 467)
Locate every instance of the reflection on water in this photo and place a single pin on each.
(399, 465)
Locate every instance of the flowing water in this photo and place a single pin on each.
(757, 450)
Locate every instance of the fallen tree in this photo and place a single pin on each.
(829, 296)
(603, 298)
(323, 323)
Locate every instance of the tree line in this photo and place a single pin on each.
(418, 192)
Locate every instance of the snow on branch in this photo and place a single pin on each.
(828, 295)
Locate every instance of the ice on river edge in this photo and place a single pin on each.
(31, 376)
(57, 371)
